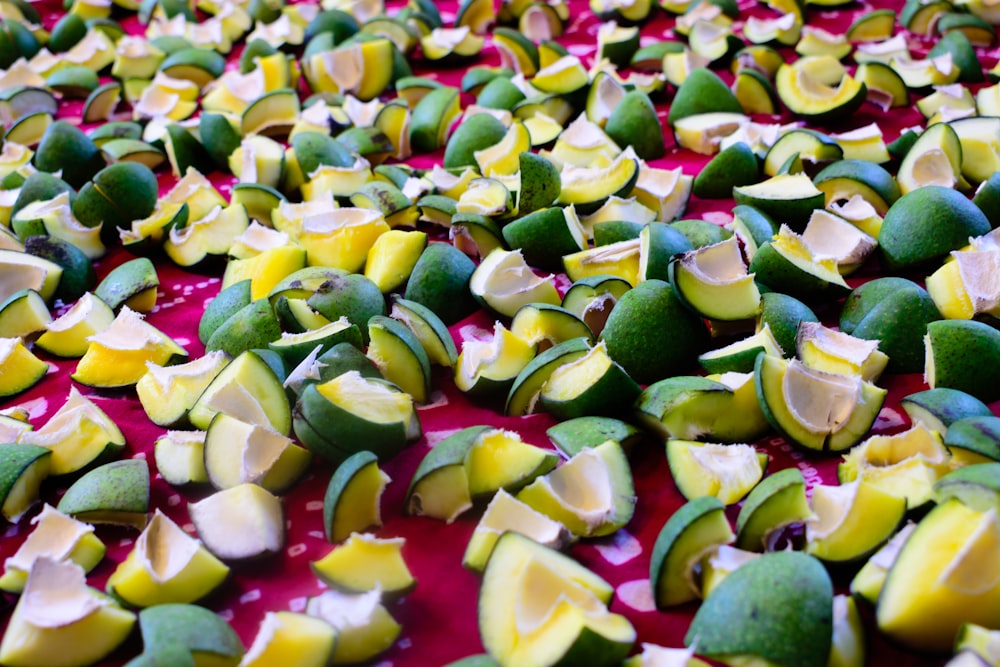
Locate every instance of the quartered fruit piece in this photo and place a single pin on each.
(117, 356)
(503, 514)
(591, 494)
(364, 627)
(350, 412)
(290, 638)
(813, 409)
(167, 393)
(55, 536)
(906, 464)
(726, 472)
(696, 529)
(23, 467)
(78, 434)
(351, 502)
(237, 452)
(960, 579)
(60, 621)
(777, 502)
(165, 566)
(537, 606)
(852, 520)
(20, 369)
(66, 336)
(714, 281)
(187, 633)
(180, 457)
(115, 493)
(365, 563)
(241, 522)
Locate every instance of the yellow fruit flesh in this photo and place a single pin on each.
(370, 401)
(288, 638)
(166, 566)
(19, 368)
(499, 459)
(358, 508)
(952, 553)
(364, 563)
(442, 494)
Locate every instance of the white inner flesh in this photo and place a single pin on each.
(830, 504)
(975, 570)
(344, 610)
(164, 549)
(55, 535)
(56, 595)
(821, 402)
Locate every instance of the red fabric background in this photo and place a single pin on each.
(439, 617)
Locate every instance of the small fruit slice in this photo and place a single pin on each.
(811, 88)
(185, 634)
(906, 464)
(61, 622)
(364, 626)
(696, 529)
(115, 493)
(365, 563)
(832, 351)
(351, 502)
(23, 467)
(790, 198)
(117, 356)
(726, 472)
(289, 638)
(691, 407)
(399, 356)
(776, 608)
(79, 434)
(506, 513)
(592, 494)
(440, 485)
(20, 369)
(813, 409)
(486, 367)
(351, 412)
(777, 502)
(974, 440)
(973, 484)
(949, 552)
(168, 393)
(66, 336)
(537, 607)
(714, 281)
(593, 384)
(937, 409)
(504, 282)
(248, 389)
(55, 536)
(241, 522)
(237, 452)
(852, 520)
(165, 566)
(180, 457)
(499, 459)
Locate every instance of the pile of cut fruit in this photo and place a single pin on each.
(500, 332)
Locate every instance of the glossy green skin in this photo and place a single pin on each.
(875, 311)
(966, 357)
(116, 487)
(652, 335)
(778, 607)
(253, 326)
(172, 633)
(440, 281)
